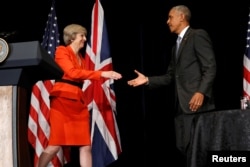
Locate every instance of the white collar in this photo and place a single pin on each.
(183, 32)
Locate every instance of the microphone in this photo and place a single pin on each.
(5, 34)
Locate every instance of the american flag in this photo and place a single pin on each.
(101, 99)
(38, 126)
(246, 64)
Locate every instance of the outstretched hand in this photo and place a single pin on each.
(140, 80)
(111, 75)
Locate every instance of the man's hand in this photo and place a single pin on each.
(196, 101)
(140, 80)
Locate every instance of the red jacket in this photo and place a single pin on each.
(67, 60)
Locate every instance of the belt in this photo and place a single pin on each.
(70, 82)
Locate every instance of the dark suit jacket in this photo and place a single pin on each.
(193, 71)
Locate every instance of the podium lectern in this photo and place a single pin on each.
(26, 64)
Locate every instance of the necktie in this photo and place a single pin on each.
(178, 41)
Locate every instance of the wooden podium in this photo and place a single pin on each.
(26, 64)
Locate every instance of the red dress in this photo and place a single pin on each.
(69, 116)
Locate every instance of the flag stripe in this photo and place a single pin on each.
(246, 64)
(38, 122)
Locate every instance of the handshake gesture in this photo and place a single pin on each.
(139, 80)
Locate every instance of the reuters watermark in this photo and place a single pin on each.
(228, 159)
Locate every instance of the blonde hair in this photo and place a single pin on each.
(70, 31)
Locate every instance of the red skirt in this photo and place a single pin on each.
(69, 122)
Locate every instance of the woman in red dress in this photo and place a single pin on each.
(69, 115)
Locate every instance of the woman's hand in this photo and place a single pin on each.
(111, 75)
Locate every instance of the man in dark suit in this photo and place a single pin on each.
(193, 69)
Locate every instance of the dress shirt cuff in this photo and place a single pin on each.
(147, 81)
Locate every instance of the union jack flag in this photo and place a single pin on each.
(38, 122)
(246, 64)
(101, 99)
